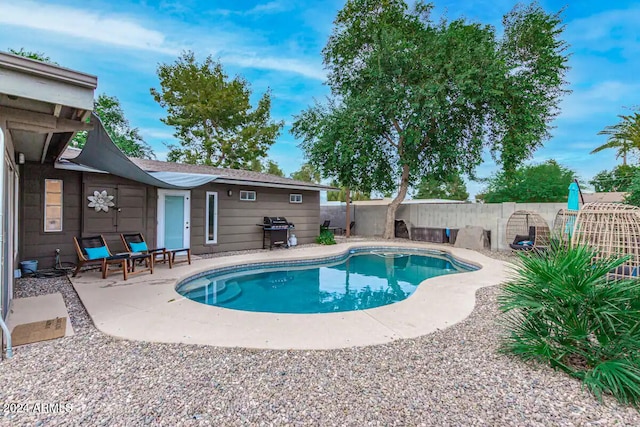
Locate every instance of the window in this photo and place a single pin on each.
(211, 235)
(295, 198)
(52, 205)
(248, 196)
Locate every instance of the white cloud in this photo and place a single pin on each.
(270, 7)
(601, 98)
(296, 66)
(112, 29)
(161, 133)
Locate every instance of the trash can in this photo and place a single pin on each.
(29, 267)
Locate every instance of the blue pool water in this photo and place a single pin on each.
(358, 280)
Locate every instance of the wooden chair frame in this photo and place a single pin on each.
(163, 255)
(125, 262)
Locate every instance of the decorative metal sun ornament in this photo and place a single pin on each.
(100, 201)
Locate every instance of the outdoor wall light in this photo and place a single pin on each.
(21, 158)
(229, 193)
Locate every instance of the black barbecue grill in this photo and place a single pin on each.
(275, 231)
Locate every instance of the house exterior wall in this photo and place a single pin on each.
(135, 211)
(137, 202)
(237, 229)
(8, 218)
(34, 242)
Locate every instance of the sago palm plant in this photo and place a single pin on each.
(560, 307)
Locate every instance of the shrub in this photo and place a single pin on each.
(326, 237)
(561, 308)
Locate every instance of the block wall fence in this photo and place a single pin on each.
(491, 216)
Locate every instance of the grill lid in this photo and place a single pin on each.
(275, 220)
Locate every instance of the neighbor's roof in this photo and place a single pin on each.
(224, 176)
(610, 197)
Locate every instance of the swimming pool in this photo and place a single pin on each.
(359, 279)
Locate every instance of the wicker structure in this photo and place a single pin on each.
(564, 224)
(613, 229)
(527, 226)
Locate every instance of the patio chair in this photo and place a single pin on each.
(524, 242)
(94, 250)
(326, 223)
(135, 242)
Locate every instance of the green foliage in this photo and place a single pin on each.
(617, 179)
(623, 136)
(633, 198)
(341, 196)
(212, 115)
(128, 139)
(543, 183)
(561, 309)
(325, 237)
(307, 173)
(453, 188)
(270, 167)
(38, 56)
(412, 97)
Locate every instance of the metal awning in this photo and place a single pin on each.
(100, 153)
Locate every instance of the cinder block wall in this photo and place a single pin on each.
(491, 216)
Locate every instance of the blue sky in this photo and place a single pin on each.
(277, 45)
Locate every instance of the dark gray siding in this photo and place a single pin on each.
(135, 211)
(137, 204)
(237, 229)
(34, 243)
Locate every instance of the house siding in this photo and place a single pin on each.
(34, 243)
(135, 210)
(137, 204)
(237, 219)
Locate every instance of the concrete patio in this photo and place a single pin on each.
(147, 307)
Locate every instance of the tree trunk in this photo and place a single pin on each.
(347, 199)
(390, 226)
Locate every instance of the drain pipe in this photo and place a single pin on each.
(3, 266)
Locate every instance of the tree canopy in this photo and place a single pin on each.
(543, 183)
(212, 114)
(617, 179)
(451, 188)
(307, 173)
(413, 98)
(112, 116)
(272, 168)
(624, 137)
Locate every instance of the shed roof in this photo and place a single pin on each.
(223, 175)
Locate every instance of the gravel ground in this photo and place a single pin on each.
(454, 377)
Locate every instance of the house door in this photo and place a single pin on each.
(174, 215)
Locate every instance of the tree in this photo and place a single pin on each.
(623, 136)
(307, 173)
(426, 99)
(543, 183)
(272, 168)
(341, 196)
(617, 179)
(633, 198)
(38, 56)
(331, 145)
(112, 116)
(453, 188)
(212, 114)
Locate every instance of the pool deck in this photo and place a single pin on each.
(147, 307)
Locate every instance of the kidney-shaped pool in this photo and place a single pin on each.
(361, 278)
